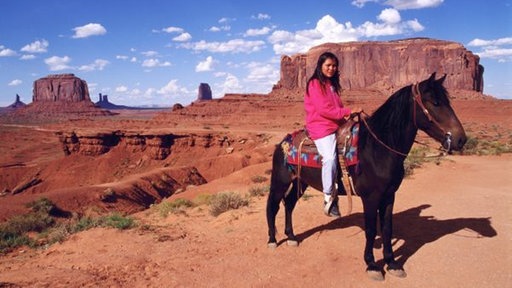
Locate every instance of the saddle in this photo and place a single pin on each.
(301, 150)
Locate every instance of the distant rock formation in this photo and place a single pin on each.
(61, 96)
(60, 88)
(105, 104)
(204, 93)
(17, 103)
(385, 66)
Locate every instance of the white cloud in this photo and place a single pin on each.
(221, 28)
(497, 42)
(390, 16)
(498, 49)
(98, 64)
(90, 29)
(152, 62)
(15, 82)
(230, 85)
(121, 89)
(231, 46)
(264, 73)
(56, 63)
(36, 47)
(122, 57)
(172, 89)
(173, 30)
(329, 30)
(149, 53)
(413, 4)
(6, 52)
(206, 65)
(361, 3)
(261, 16)
(183, 37)
(27, 57)
(258, 32)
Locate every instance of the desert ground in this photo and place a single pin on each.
(451, 221)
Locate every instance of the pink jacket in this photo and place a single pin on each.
(324, 113)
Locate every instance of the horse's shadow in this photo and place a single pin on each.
(415, 230)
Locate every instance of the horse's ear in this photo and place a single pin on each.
(432, 77)
(441, 80)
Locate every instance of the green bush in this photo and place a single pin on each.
(258, 191)
(258, 179)
(226, 201)
(14, 232)
(475, 146)
(166, 207)
(117, 221)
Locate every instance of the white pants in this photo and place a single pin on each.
(327, 149)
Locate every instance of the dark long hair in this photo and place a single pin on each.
(317, 74)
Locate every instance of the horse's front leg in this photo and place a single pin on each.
(386, 220)
(290, 201)
(370, 230)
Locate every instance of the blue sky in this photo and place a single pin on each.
(157, 52)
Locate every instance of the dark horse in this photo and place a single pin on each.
(385, 139)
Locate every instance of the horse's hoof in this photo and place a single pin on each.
(400, 273)
(375, 275)
(272, 245)
(293, 243)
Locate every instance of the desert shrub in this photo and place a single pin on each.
(258, 191)
(416, 157)
(166, 207)
(475, 146)
(203, 199)
(14, 232)
(226, 201)
(116, 220)
(306, 196)
(258, 179)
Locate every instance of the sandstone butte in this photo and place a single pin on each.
(386, 66)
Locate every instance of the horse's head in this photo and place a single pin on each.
(434, 114)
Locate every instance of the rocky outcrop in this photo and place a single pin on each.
(57, 97)
(60, 88)
(386, 66)
(105, 104)
(17, 103)
(156, 145)
(204, 92)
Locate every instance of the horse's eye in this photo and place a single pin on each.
(435, 102)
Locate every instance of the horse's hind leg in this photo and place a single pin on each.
(275, 196)
(289, 204)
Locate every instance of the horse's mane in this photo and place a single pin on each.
(392, 118)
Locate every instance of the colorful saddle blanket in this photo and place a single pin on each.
(298, 142)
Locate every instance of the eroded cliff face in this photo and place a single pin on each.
(60, 88)
(386, 66)
(156, 145)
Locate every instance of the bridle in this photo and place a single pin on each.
(416, 94)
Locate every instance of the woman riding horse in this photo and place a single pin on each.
(385, 139)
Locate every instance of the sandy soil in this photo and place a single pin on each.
(452, 229)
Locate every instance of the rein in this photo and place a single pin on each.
(417, 101)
